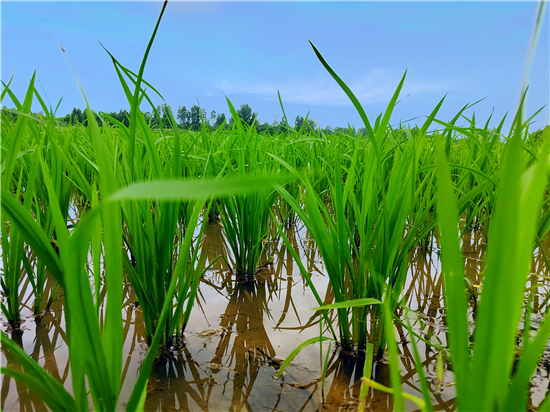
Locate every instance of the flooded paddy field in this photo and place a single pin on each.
(154, 261)
(240, 331)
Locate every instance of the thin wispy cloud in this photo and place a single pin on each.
(376, 87)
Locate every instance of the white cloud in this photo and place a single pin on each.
(376, 87)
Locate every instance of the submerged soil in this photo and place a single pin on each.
(240, 331)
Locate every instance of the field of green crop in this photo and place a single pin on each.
(90, 212)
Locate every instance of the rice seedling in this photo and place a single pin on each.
(377, 213)
(390, 220)
(151, 227)
(79, 300)
(23, 159)
(245, 218)
(12, 261)
(483, 381)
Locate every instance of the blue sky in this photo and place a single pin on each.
(249, 50)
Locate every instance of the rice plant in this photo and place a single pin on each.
(245, 218)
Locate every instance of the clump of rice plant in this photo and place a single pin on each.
(377, 214)
(245, 218)
(30, 141)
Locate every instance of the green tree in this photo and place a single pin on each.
(220, 119)
(123, 116)
(298, 122)
(265, 128)
(85, 118)
(195, 117)
(184, 117)
(76, 116)
(7, 115)
(310, 124)
(166, 114)
(147, 115)
(156, 117)
(246, 114)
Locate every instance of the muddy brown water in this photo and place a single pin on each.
(239, 332)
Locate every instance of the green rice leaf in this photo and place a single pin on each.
(17, 136)
(193, 189)
(351, 96)
(453, 270)
(378, 386)
(395, 374)
(420, 370)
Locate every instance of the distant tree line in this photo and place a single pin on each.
(196, 118)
